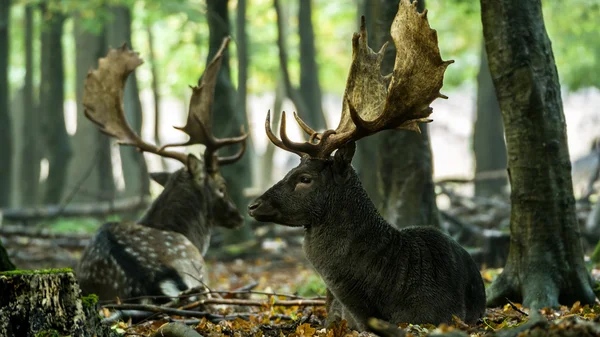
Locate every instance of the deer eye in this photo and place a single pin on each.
(305, 179)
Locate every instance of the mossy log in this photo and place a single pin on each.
(46, 302)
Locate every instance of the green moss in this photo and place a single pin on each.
(48, 333)
(38, 271)
(89, 300)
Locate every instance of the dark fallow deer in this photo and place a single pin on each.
(161, 254)
(371, 269)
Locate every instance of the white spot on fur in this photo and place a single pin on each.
(169, 288)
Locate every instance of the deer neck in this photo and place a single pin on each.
(181, 211)
(351, 220)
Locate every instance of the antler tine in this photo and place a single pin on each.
(235, 157)
(309, 131)
(199, 122)
(103, 100)
(274, 138)
(373, 102)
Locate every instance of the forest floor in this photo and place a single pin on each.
(237, 311)
(293, 279)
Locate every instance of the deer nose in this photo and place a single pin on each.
(253, 206)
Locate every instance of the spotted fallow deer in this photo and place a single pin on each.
(371, 269)
(162, 252)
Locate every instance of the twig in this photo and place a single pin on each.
(164, 310)
(75, 210)
(515, 307)
(235, 301)
(257, 292)
(76, 188)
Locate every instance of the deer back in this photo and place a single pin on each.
(128, 260)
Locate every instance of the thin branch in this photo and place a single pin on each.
(514, 306)
(164, 310)
(253, 303)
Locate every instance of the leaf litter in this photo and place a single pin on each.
(292, 279)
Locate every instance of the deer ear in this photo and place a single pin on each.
(160, 177)
(343, 156)
(342, 159)
(196, 168)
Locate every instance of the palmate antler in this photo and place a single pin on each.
(103, 105)
(369, 104)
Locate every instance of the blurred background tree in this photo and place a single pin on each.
(51, 154)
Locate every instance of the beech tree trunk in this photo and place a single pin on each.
(404, 170)
(310, 89)
(133, 164)
(30, 154)
(47, 303)
(91, 166)
(545, 265)
(57, 143)
(5, 126)
(488, 133)
(226, 118)
(155, 90)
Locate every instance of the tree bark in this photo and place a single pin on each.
(155, 90)
(545, 265)
(404, 159)
(133, 164)
(58, 146)
(226, 118)
(310, 89)
(488, 133)
(30, 154)
(47, 303)
(92, 162)
(5, 124)
(294, 95)
(267, 160)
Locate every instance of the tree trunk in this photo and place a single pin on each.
(58, 145)
(133, 164)
(545, 265)
(310, 89)
(91, 166)
(267, 160)
(5, 125)
(242, 92)
(47, 303)
(226, 118)
(488, 134)
(155, 91)
(404, 159)
(30, 154)
(365, 160)
(5, 263)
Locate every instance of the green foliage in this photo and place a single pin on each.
(313, 286)
(48, 333)
(89, 300)
(181, 34)
(36, 271)
(77, 225)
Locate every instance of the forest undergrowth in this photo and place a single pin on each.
(239, 305)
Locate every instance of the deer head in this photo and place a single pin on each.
(372, 103)
(200, 177)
